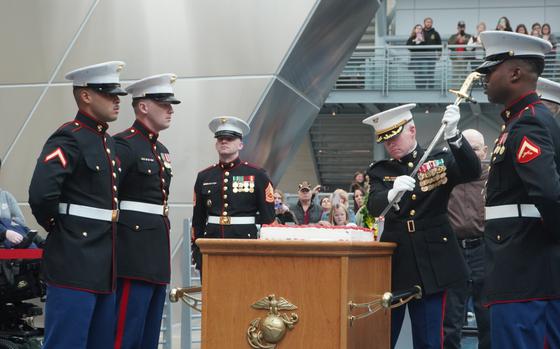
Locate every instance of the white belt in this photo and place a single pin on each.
(88, 212)
(511, 211)
(144, 207)
(227, 220)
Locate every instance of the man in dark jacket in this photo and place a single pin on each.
(73, 195)
(466, 214)
(522, 235)
(143, 255)
(231, 196)
(431, 37)
(306, 209)
(427, 252)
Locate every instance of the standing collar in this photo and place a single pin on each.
(145, 130)
(91, 122)
(228, 165)
(516, 107)
(413, 156)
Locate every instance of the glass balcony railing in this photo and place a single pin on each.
(406, 68)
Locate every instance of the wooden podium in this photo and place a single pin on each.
(320, 278)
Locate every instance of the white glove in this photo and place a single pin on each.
(402, 183)
(14, 237)
(451, 119)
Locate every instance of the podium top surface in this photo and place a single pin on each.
(294, 248)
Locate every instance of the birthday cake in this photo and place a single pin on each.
(315, 233)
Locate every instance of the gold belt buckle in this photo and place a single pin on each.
(115, 215)
(165, 210)
(410, 225)
(225, 220)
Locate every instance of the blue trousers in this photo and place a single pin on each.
(526, 325)
(78, 319)
(139, 308)
(426, 317)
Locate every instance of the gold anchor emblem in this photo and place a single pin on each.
(270, 331)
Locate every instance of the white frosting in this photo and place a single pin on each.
(315, 233)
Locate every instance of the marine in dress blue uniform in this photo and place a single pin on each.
(427, 252)
(143, 255)
(522, 235)
(231, 196)
(73, 195)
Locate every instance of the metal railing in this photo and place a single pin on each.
(406, 68)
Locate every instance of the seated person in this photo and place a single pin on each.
(15, 235)
(340, 197)
(338, 216)
(283, 213)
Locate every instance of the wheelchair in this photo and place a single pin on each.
(20, 281)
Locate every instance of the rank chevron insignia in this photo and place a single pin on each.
(57, 154)
(527, 151)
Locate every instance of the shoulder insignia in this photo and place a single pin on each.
(527, 151)
(57, 154)
(269, 193)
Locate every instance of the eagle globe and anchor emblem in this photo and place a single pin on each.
(269, 332)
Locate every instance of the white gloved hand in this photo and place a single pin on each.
(451, 119)
(402, 183)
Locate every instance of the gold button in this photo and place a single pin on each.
(77, 124)
(231, 165)
(114, 187)
(503, 127)
(224, 213)
(132, 130)
(413, 197)
(84, 234)
(163, 180)
(113, 162)
(225, 188)
(116, 200)
(209, 191)
(226, 173)
(120, 169)
(226, 204)
(97, 168)
(149, 171)
(246, 163)
(151, 135)
(249, 235)
(154, 147)
(108, 151)
(410, 164)
(226, 180)
(493, 158)
(499, 237)
(445, 239)
(225, 196)
(412, 212)
(137, 227)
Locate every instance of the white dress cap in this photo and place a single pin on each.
(229, 126)
(548, 90)
(156, 87)
(501, 45)
(103, 76)
(390, 123)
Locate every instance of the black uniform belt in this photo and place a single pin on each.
(470, 243)
(412, 225)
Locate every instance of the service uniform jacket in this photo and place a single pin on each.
(523, 253)
(143, 238)
(77, 166)
(427, 252)
(234, 189)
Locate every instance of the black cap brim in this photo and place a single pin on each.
(110, 89)
(168, 99)
(484, 68)
(228, 133)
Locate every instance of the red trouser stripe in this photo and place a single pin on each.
(443, 301)
(121, 322)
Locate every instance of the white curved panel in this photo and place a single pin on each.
(16, 104)
(190, 38)
(34, 36)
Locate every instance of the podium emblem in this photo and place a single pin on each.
(269, 332)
